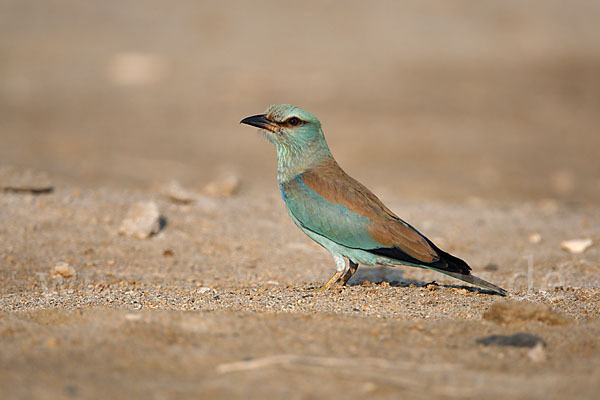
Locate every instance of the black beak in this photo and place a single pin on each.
(259, 121)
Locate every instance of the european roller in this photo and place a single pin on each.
(337, 211)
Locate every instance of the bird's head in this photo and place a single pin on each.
(291, 129)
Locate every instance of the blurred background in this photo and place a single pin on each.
(452, 100)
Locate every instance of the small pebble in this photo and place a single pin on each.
(177, 194)
(576, 246)
(142, 220)
(63, 270)
(537, 353)
(27, 181)
(517, 340)
(168, 253)
(204, 289)
(225, 187)
(535, 238)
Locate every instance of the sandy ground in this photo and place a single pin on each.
(216, 304)
(475, 122)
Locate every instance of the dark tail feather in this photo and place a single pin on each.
(446, 264)
(457, 268)
(472, 279)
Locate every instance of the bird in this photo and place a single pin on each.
(340, 213)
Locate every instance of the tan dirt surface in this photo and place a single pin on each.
(477, 122)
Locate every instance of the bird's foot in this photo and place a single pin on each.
(319, 289)
(337, 285)
(315, 289)
(335, 279)
(338, 280)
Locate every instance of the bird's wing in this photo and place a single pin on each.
(329, 202)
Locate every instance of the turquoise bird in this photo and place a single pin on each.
(340, 213)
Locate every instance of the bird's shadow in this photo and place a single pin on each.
(395, 278)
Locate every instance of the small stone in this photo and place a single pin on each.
(535, 238)
(168, 253)
(177, 194)
(225, 187)
(142, 220)
(62, 270)
(576, 246)
(537, 353)
(516, 340)
(27, 181)
(272, 283)
(203, 289)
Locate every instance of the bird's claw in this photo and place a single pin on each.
(338, 285)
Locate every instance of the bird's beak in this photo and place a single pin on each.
(260, 121)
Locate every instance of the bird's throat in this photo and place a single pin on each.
(292, 161)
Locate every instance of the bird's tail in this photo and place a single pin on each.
(471, 279)
(446, 264)
(455, 267)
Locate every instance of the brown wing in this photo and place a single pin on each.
(337, 187)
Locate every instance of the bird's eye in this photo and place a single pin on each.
(293, 121)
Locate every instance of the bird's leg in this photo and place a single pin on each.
(352, 267)
(337, 277)
(333, 281)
